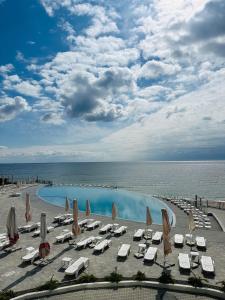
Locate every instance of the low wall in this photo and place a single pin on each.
(123, 284)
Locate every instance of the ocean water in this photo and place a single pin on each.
(130, 205)
(204, 178)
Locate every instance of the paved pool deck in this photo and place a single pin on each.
(17, 276)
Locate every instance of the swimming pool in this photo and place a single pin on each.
(130, 205)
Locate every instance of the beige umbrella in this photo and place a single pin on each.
(113, 211)
(166, 231)
(67, 205)
(88, 208)
(11, 225)
(28, 214)
(191, 223)
(148, 217)
(75, 226)
(44, 248)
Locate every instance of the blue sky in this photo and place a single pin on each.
(112, 80)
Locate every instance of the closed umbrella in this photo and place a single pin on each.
(44, 248)
(11, 225)
(166, 231)
(88, 208)
(75, 226)
(28, 214)
(191, 225)
(148, 217)
(113, 211)
(67, 205)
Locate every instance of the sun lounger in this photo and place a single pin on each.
(121, 230)
(84, 222)
(95, 241)
(38, 231)
(124, 251)
(200, 242)
(157, 237)
(178, 240)
(93, 225)
(29, 227)
(65, 235)
(31, 255)
(66, 262)
(189, 239)
(102, 246)
(138, 235)
(4, 243)
(141, 251)
(151, 254)
(184, 261)
(207, 264)
(148, 234)
(62, 217)
(75, 267)
(67, 221)
(85, 242)
(106, 228)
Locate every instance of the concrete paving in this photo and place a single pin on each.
(17, 276)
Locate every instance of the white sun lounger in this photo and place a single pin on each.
(93, 225)
(178, 240)
(30, 227)
(4, 243)
(151, 254)
(138, 235)
(85, 222)
(200, 242)
(106, 228)
(67, 221)
(121, 230)
(124, 251)
(74, 268)
(141, 251)
(189, 239)
(84, 243)
(66, 234)
(157, 237)
(61, 217)
(101, 246)
(184, 261)
(31, 255)
(207, 264)
(38, 231)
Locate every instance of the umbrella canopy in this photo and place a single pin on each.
(75, 226)
(28, 215)
(67, 205)
(166, 231)
(191, 223)
(44, 248)
(88, 208)
(11, 226)
(148, 217)
(113, 211)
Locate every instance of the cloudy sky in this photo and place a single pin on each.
(106, 80)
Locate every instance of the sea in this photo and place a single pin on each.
(184, 179)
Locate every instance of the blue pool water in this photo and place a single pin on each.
(130, 205)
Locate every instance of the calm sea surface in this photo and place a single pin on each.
(207, 179)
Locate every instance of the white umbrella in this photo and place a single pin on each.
(11, 226)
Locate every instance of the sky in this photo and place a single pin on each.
(106, 80)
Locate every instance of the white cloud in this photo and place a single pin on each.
(154, 69)
(11, 107)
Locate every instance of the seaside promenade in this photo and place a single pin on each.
(17, 276)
